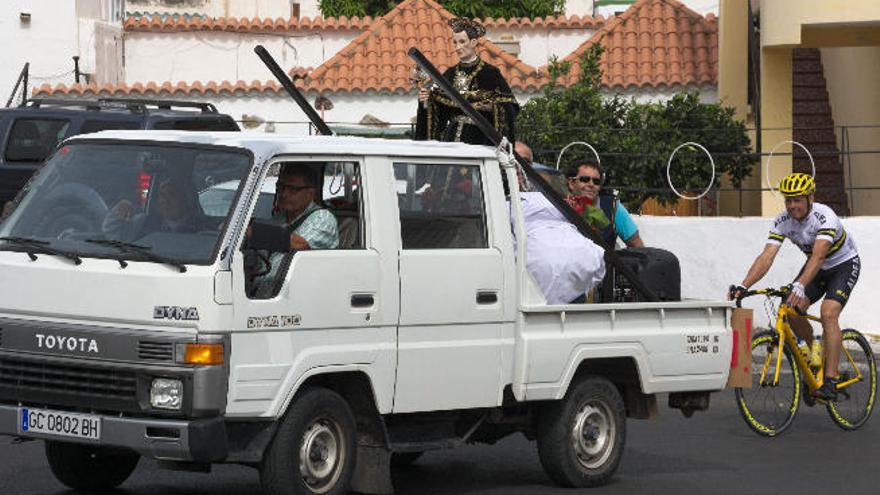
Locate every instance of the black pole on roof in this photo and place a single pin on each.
(292, 90)
(551, 195)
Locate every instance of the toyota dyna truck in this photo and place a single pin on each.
(140, 317)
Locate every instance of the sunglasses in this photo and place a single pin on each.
(281, 187)
(586, 179)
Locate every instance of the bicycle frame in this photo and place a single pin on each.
(786, 335)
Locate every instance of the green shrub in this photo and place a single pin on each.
(634, 140)
(463, 8)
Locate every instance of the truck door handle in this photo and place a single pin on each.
(362, 300)
(487, 297)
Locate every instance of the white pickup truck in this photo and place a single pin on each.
(421, 330)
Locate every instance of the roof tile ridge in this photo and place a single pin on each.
(354, 44)
(677, 5)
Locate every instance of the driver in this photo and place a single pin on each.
(177, 210)
(311, 226)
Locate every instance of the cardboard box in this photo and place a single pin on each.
(741, 358)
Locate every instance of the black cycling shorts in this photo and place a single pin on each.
(835, 283)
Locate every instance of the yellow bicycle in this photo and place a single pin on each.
(781, 374)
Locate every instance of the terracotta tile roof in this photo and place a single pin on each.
(196, 88)
(182, 23)
(559, 22)
(654, 43)
(376, 60)
(178, 23)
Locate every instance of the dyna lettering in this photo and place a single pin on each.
(66, 343)
(175, 313)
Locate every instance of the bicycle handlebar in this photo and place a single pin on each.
(769, 292)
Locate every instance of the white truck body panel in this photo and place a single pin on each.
(425, 344)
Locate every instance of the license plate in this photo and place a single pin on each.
(85, 426)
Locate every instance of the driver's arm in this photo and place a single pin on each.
(299, 243)
(761, 265)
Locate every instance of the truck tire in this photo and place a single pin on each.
(314, 450)
(581, 437)
(90, 468)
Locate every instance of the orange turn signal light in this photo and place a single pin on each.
(204, 354)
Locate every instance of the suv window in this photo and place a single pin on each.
(196, 125)
(107, 125)
(31, 140)
(441, 206)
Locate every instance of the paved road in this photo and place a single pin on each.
(711, 453)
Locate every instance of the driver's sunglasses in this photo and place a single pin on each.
(586, 179)
(281, 187)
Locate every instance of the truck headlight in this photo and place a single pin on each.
(166, 393)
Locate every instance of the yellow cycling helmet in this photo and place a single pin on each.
(797, 185)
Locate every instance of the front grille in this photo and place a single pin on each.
(30, 378)
(155, 351)
(1, 336)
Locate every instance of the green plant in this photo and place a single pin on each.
(352, 8)
(462, 8)
(634, 140)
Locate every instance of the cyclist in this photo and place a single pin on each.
(832, 268)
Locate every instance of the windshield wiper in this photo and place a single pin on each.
(39, 246)
(144, 251)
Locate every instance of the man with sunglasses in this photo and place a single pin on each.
(313, 227)
(586, 181)
(310, 226)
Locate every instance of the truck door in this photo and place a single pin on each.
(451, 301)
(327, 307)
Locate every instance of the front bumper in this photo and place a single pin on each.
(195, 440)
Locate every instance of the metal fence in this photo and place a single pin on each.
(857, 147)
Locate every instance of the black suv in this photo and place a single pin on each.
(30, 132)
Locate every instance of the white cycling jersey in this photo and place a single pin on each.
(820, 223)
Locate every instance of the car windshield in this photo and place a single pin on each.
(127, 201)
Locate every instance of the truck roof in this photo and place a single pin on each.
(274, 144)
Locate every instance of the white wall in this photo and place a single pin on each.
(716, 252)
(394, 108)
(538, 46)
(578, 7)
(48, 42)
(708, 94)
(206, 55)
(227, 8)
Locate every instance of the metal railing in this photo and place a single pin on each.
(856, 148)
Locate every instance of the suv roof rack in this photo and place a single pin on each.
(134, 105)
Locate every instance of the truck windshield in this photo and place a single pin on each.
(128, 202)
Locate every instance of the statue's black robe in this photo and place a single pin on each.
(440, 119)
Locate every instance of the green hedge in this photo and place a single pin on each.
(463, 8)
(635, 140)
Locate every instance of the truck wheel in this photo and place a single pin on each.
(581, 437)
(314, 450)
(89, 468)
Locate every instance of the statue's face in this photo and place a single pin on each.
(465, 48)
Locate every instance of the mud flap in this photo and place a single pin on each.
(372, 471)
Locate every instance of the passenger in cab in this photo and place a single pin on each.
(176, 210)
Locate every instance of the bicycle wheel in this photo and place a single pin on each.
(768, 408)
(855, 401)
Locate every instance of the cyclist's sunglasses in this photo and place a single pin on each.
(586, 179)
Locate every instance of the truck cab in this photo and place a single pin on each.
(129, 329)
